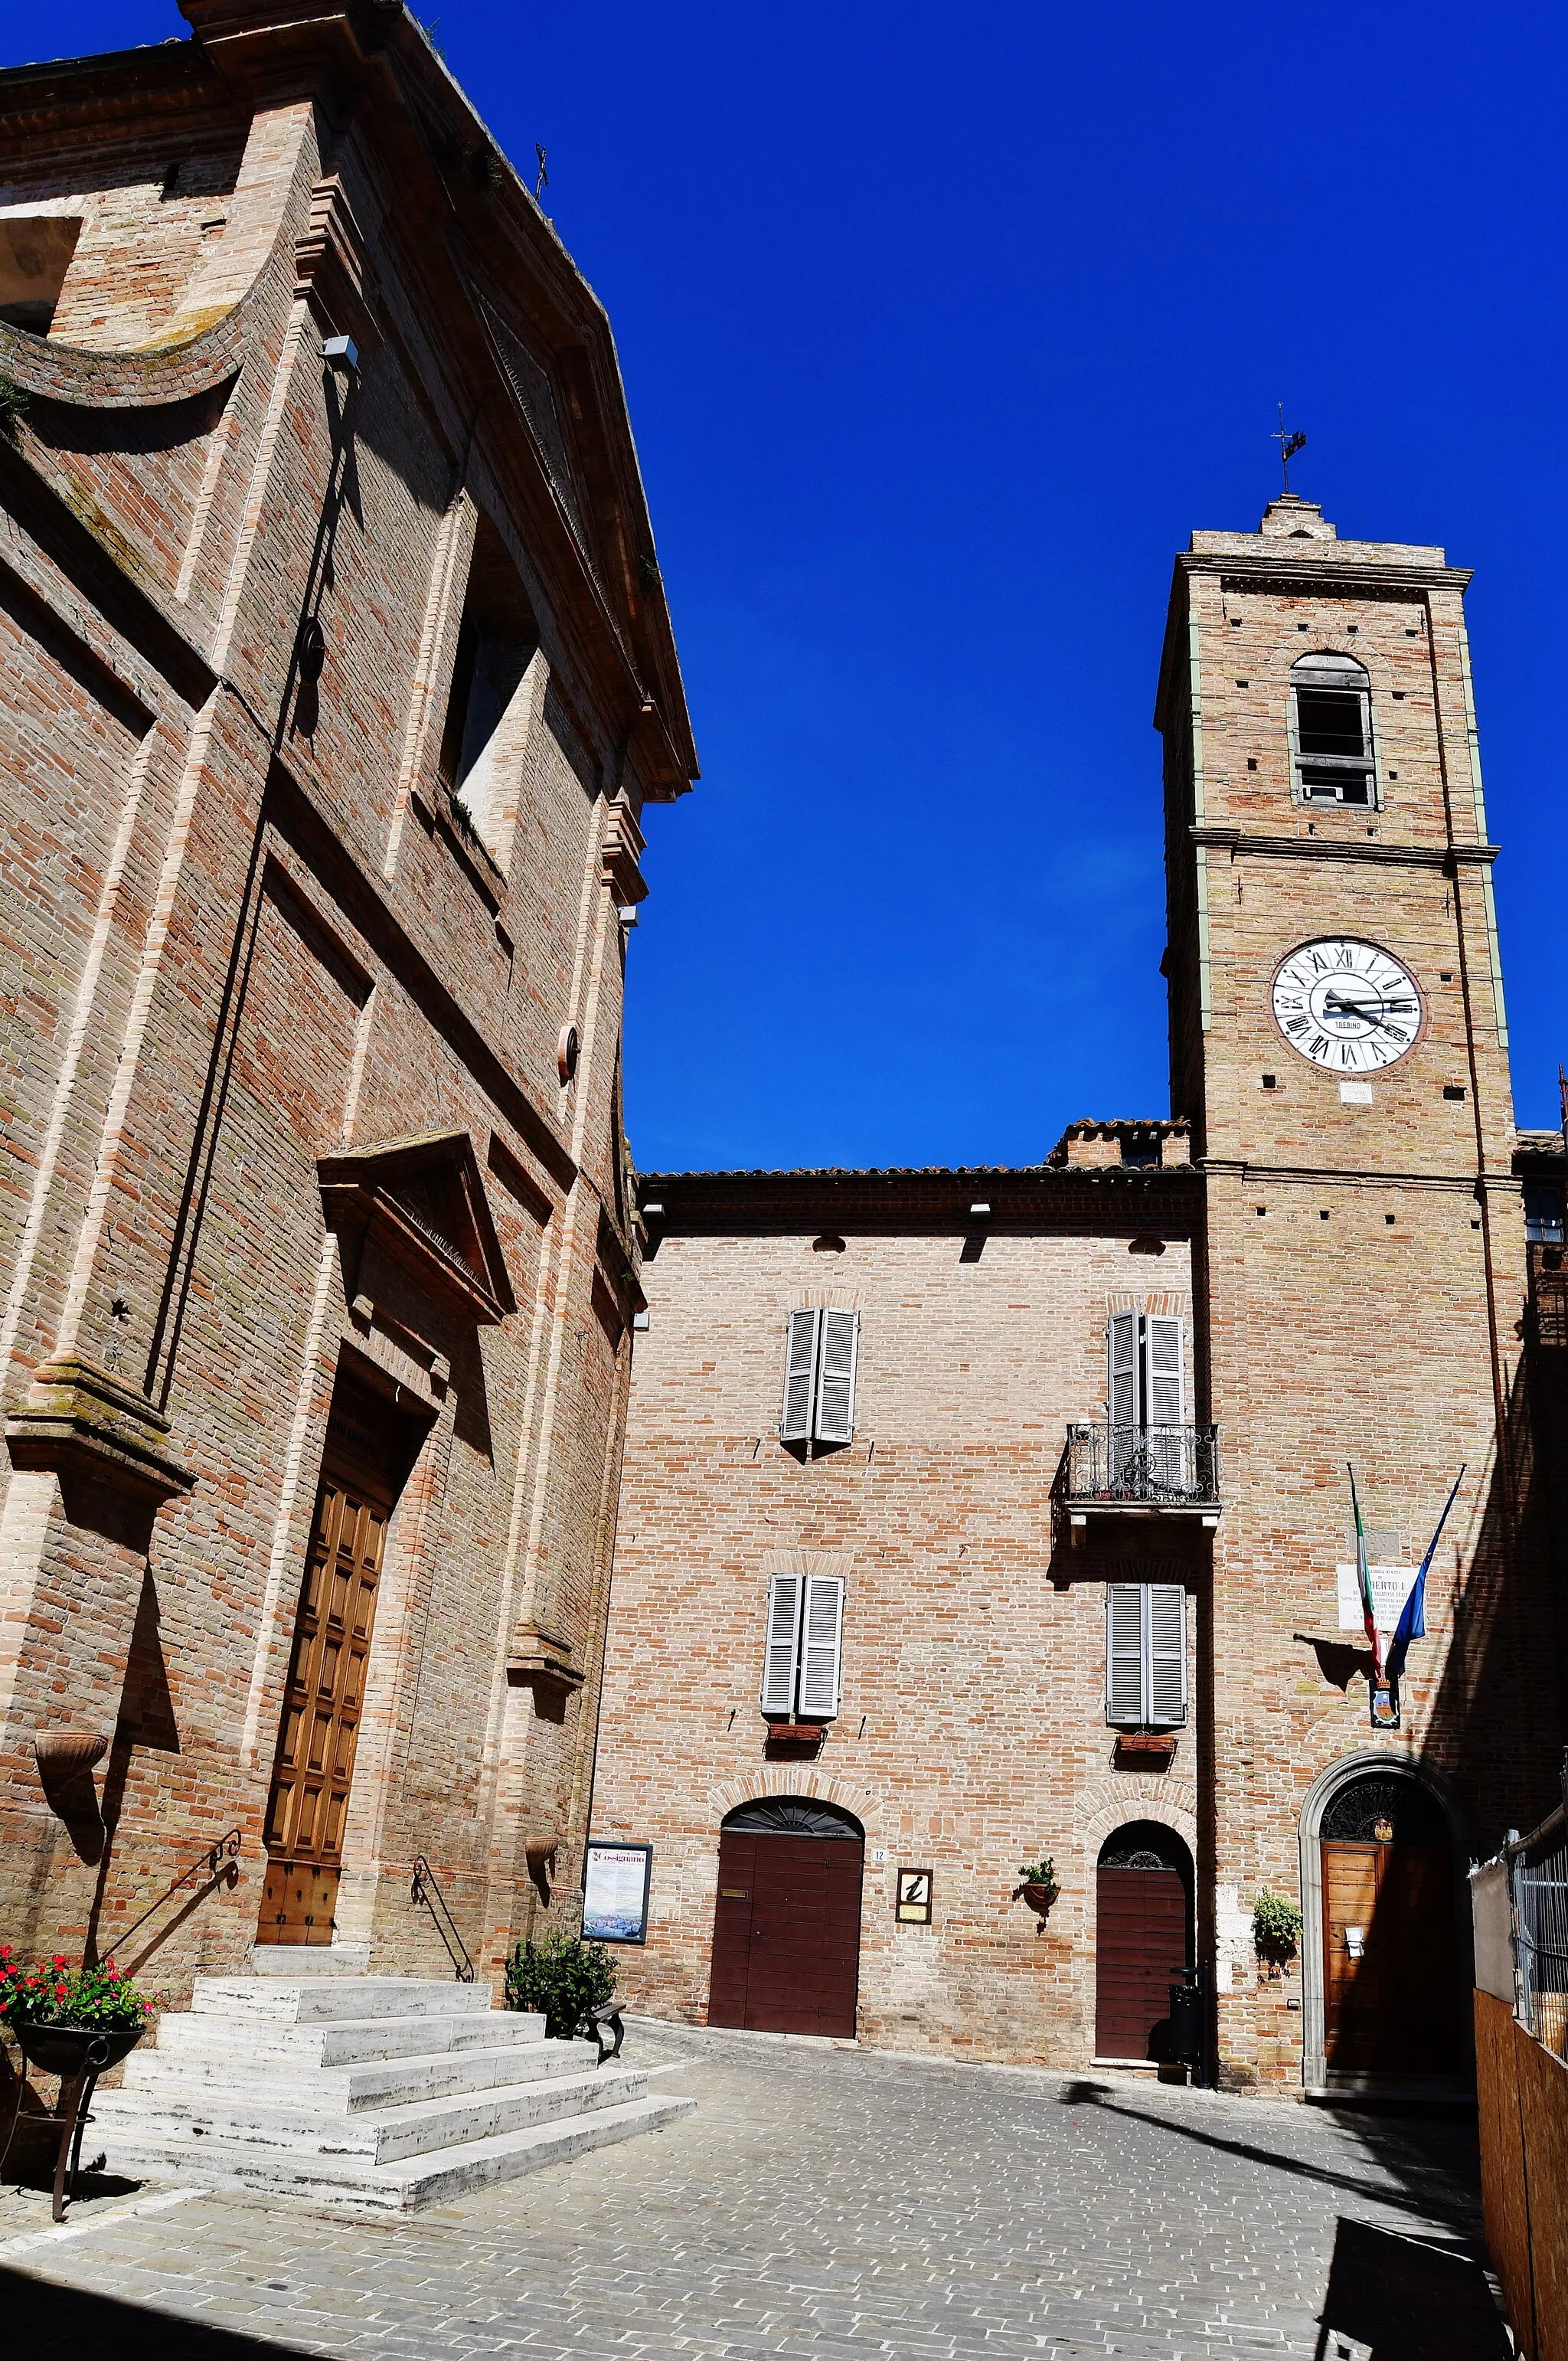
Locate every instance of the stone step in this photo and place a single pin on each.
(307, 2000)
(206, 2035)
(348, 2184)
(295, 1960)
(192, 2119)
(295, 2080)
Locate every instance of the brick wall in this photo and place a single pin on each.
(971, 1734)
(243, 929)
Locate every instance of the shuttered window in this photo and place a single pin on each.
(1146, 1384)
(781, 1652)
(804, 1646)
(821, 1635)
(1125, 1391)
(1162, 1395)
(820, 1353)
(1145, 1654)
(800, 1377)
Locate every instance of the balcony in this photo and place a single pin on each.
(1138, 1471)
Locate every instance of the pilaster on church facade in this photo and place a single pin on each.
(338, 673)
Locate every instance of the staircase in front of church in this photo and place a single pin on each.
(379, 2094)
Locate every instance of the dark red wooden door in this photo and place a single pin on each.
(1143, 1940)
(786, 1934)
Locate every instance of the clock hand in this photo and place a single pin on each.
(1352, 1007)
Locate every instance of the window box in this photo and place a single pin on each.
(1146, 1750)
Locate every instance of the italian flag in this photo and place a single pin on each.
(1363, 1579)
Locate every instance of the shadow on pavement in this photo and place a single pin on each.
(1396, 2299)
(1426, 2203)
(41, 2318)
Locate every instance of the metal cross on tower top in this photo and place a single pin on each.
(1289, 446)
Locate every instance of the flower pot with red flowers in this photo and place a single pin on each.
(75, 2023)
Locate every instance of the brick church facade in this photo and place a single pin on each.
(337, 675)
(974, 1517)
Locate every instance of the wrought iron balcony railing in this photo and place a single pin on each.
(1140, 1468)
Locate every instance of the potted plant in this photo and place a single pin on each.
(1039, 1887)
(70, 2021)
(564, 1979)
(1276, 1930)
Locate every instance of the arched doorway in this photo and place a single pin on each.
(1144, 1938)
(786, 1923)
(1389, 1984)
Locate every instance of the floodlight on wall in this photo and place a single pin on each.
(626, 913)
(653, 1213)
(981, 1213)
(342, 353)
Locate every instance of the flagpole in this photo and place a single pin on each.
(1364, 1577)
(1412, 1623)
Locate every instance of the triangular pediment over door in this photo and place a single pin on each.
(421, 1200)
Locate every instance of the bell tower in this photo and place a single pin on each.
(1339, 1043)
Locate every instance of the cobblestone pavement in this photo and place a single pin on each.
(828, 2203)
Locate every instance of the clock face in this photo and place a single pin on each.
(1346, 1005)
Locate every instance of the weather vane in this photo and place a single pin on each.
(1289, 446)
(543, 180)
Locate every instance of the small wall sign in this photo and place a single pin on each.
(615, 1879)
(1385, 1705)
(913, 1907)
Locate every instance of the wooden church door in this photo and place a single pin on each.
(319, 1733)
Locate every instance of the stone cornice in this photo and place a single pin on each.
(1223, 1167)
(1445, 857)
(80, 1420)
(1120, 1201)
(1286, 564)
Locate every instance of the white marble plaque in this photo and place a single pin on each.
(1391, 1586)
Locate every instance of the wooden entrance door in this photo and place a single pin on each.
(320, 1729)
(1143, 1941)
(786, 1933)
(1388, 2006)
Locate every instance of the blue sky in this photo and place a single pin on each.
(941, 330)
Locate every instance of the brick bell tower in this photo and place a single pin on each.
(1338, 1041)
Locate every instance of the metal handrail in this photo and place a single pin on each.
(1178, 1465)
(221, 1861)
(427, 1890)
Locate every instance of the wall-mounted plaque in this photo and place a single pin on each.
(615, 1879)
(1391, 1586)
(1385, 1705)
(913, 1907)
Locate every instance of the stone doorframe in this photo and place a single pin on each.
(1383, 1763)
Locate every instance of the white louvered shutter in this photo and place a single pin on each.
(800, 1377)
(1166, 1654)
(1163, 1394)
(836, 1385)
(783, 1642)
(1124, 1395)
(821, 1639)
(1124, 1651)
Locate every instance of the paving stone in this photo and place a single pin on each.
(831, 2204)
